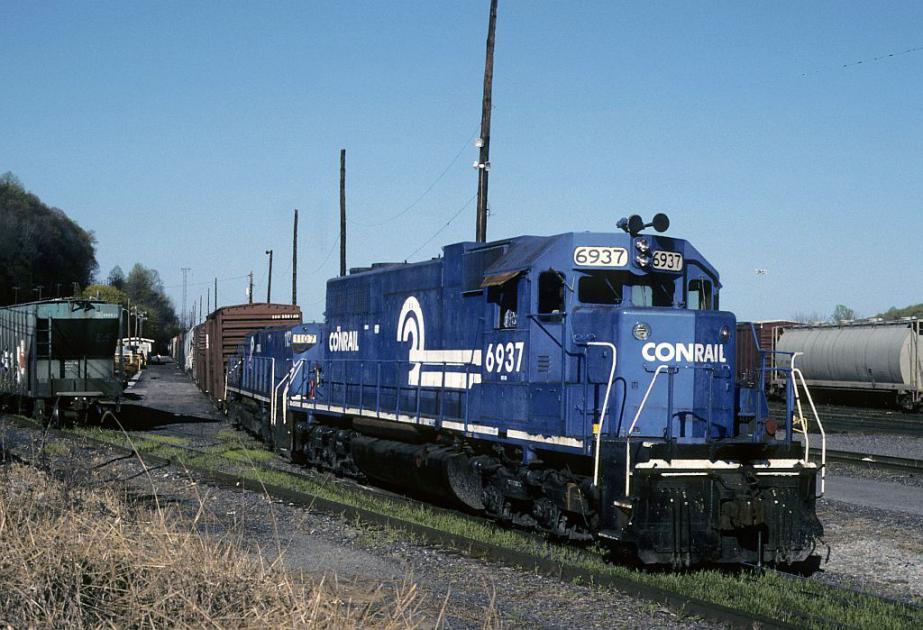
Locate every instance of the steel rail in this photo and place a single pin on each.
(876, 460)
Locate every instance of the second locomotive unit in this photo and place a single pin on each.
(582, 384)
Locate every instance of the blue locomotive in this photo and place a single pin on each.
(582, 384)
(259, 376)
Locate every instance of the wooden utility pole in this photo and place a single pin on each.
(483, 164)
(342, 212)
(269, 284)
(250, 289)
(295, 260)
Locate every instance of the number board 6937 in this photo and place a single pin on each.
(668, 261)
(592, 256)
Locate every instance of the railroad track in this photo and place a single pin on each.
(872, 460)
(544, 562)
(839, 419)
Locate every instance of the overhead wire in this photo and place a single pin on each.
(447, 224)
(425, 192)
(390, 219)
(204, 282)
(327, 257)
(864, 61)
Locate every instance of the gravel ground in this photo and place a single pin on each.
(875, 550)
(874, 444)
(469, 591)
(871, 549)
(871, 472)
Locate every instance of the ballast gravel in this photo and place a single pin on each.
(460, 592)
(907, 446)
(870, 549)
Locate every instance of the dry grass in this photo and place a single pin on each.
(87, 557)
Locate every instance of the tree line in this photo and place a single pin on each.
(46, 254)
(43, 252)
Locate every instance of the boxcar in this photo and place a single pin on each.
(752, 338)
(218, 337)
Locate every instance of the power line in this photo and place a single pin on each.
(203, 283)
(327, 257)
(864, 61)
(425, 192)
(447, 223)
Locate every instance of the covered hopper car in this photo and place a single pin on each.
(884, 357)
(582, 384)
(58, 355)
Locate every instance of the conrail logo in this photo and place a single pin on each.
(678, 352)
(343, 340)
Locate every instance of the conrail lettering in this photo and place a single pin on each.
(665, 352)
(343, 341)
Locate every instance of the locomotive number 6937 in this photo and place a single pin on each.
(504, 357)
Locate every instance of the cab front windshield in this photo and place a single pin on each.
(625, 288)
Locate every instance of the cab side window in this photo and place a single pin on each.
(550, 292)
(700, 296)
(506, 297)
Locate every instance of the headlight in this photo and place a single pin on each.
(642, 246)
(641, 331)
(725, 334)
(642, 260)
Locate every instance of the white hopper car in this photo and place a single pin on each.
(884, 356)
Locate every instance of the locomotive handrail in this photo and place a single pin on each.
(820, 426)
(275, 394)
(602, 413)
(292, 372)
(272, 380)
(227, 378)
(660, 368)
(398, 387)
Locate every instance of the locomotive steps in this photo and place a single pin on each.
(738, 598)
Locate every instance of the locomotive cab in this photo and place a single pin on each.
(629, 358)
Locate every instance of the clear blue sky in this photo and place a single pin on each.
(184, 133)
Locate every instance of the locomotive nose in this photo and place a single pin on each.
(676, 365)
